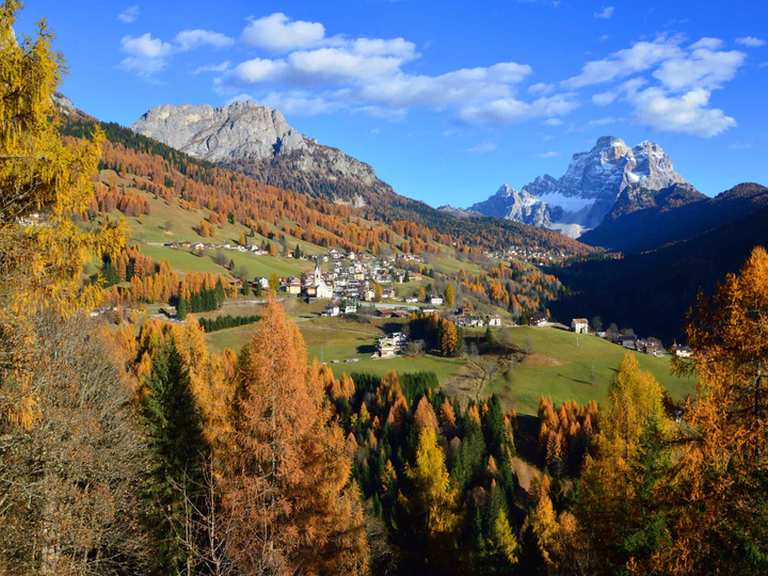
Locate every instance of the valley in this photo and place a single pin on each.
(230, 349)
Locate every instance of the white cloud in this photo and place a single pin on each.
(278, 34)
(604, 98)
(215, 68)
(553, 122)
(299, 103)
(508, 110)
(369, 75)
(259, 70)
(687, 113)
(192, 39)
(483, 148)
(129, 15)
(640, 57)
(605, 121)
(605, 13)
(145, 55)
(541, 88)
(702, 68)
(751, 41)
(707, 42)
(549, 154)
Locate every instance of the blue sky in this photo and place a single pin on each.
(447, 100)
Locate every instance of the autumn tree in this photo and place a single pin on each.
(69, 495)
(430, 501)
(617, 506)
(450, 296)
(722, 472)
(288, 494)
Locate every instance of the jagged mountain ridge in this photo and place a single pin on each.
(259, 141)
(590, 187)
(510, 204)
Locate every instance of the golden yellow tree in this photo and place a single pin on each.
(450, 296)
(45, 180)
(722, 473)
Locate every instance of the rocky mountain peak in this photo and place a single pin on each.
(594, 182)
(238, 131)
(259, 141)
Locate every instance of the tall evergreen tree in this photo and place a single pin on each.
(176, 439)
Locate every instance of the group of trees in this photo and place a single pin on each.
(516, 286)
(226, 321)
(202, 299)
(438, 475)
(439, 334)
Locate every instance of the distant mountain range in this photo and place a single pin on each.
(258, 141)
(588, 191)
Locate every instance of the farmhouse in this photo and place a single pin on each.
(388, 346)
(580, 325)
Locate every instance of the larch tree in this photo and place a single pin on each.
(722, 472)
(429, 503)
(617, 497)
(292, 506)
(450, 296)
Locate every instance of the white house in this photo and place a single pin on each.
(580, 325)
(436, 301)
(332, 311)
(493, 321)
(388, 346)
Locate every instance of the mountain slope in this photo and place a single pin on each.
(675, 213)
(652, 291)
(590, 187)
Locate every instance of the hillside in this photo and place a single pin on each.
(652, 292)
(674, 214)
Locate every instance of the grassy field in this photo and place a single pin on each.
(181, 260)
(346, 345)
(563, 366)
(266, 265)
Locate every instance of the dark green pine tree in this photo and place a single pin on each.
(179, 451)
(181, 308)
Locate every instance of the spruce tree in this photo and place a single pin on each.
(176, 440)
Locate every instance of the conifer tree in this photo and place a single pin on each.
(176, 439)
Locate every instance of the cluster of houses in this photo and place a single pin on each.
(532, 255)
(477, 321)
(351, 278)
(630, 341)
(203, 246)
